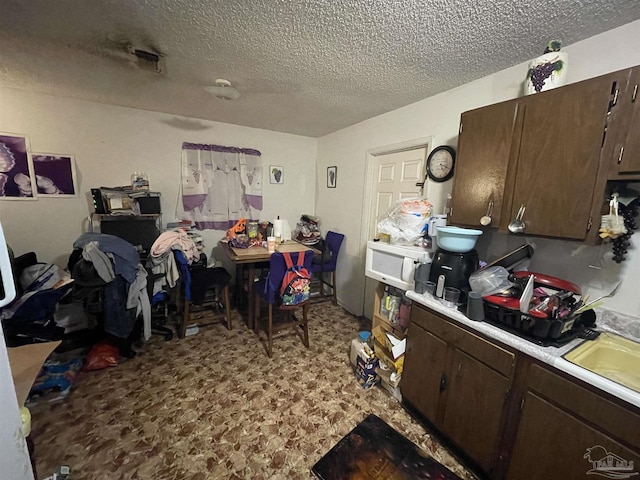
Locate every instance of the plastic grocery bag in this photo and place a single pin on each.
(405, 222)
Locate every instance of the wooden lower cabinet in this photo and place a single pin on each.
(475, 400)
(565, 430)
(423, 370)
(509, 415)
(459, 382)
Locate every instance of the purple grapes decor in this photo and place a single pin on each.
(621, 244)
(548, 70)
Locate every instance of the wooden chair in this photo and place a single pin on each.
(320, 269)
(280, 316)
(203, 294)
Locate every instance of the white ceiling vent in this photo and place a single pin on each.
(149, 61)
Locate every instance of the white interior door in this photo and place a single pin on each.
(395, 176)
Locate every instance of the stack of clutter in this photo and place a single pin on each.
(363, 360)
(189, 228)
(307, 231)
(389, 341)
(389, 350)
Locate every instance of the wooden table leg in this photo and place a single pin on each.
(251, 313)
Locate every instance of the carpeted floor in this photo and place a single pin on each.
(214, 406)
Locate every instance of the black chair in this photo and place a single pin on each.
(160, 306)
(203, 294)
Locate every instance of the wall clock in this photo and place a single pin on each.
(440, 163)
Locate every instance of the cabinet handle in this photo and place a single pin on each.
(443, 382)
(615, 98)
(620, 155)
(635, 93)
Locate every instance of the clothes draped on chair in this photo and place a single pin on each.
(124, 292)
(200, 291)
(220, 185)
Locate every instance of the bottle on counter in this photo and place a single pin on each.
(393, 305)
(384, 303)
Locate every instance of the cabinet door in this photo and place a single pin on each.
(484, 146)
(626, 155)
(559, 158)
(475, 398)
(424, 366)
(552, 443)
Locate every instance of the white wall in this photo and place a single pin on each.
(110, 142)
(439, 116)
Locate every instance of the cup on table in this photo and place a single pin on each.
(429, 288)
(450, 297)
(475, 307)
(271, 244)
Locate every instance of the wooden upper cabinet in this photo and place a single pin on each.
(559, 158)
(625, 130)
(543, 151)
(484, 146)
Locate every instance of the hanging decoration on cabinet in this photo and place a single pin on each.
(618, 226)
(55, 174)
(547, 71)
(17, 180)
(220, 185)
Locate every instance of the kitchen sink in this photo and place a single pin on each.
(611, 356)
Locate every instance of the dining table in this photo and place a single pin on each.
(251, 261)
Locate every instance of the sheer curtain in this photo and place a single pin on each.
(220, 185)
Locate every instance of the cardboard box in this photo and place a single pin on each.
(394, 391)
(385, 357)
(26, 362)
(396, 346)
(381, 343)
(366, 371)
(388, 376)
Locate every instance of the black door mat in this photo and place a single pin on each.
(374, 450)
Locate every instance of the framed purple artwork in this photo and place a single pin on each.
(17, 180)
(55, 174)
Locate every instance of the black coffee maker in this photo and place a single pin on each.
(452, 269)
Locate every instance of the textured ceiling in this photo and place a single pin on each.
(307, 67)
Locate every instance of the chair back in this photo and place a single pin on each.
(277, 270)
(183, 265)
(334, 241)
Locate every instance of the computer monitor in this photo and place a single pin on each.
(141, 232)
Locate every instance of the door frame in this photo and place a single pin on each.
(367, 198)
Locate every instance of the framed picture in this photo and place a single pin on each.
(276, 174)
(332, 177)
(17, 180)
(55, 174)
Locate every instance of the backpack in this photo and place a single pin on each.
(296, 283)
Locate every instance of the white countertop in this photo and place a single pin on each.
(549, 355)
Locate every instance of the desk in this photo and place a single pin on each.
(251, 258)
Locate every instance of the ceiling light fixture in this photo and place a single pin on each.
(223, 90)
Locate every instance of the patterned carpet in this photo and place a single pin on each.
(214, 406)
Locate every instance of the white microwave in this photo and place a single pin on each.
(394, 264)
